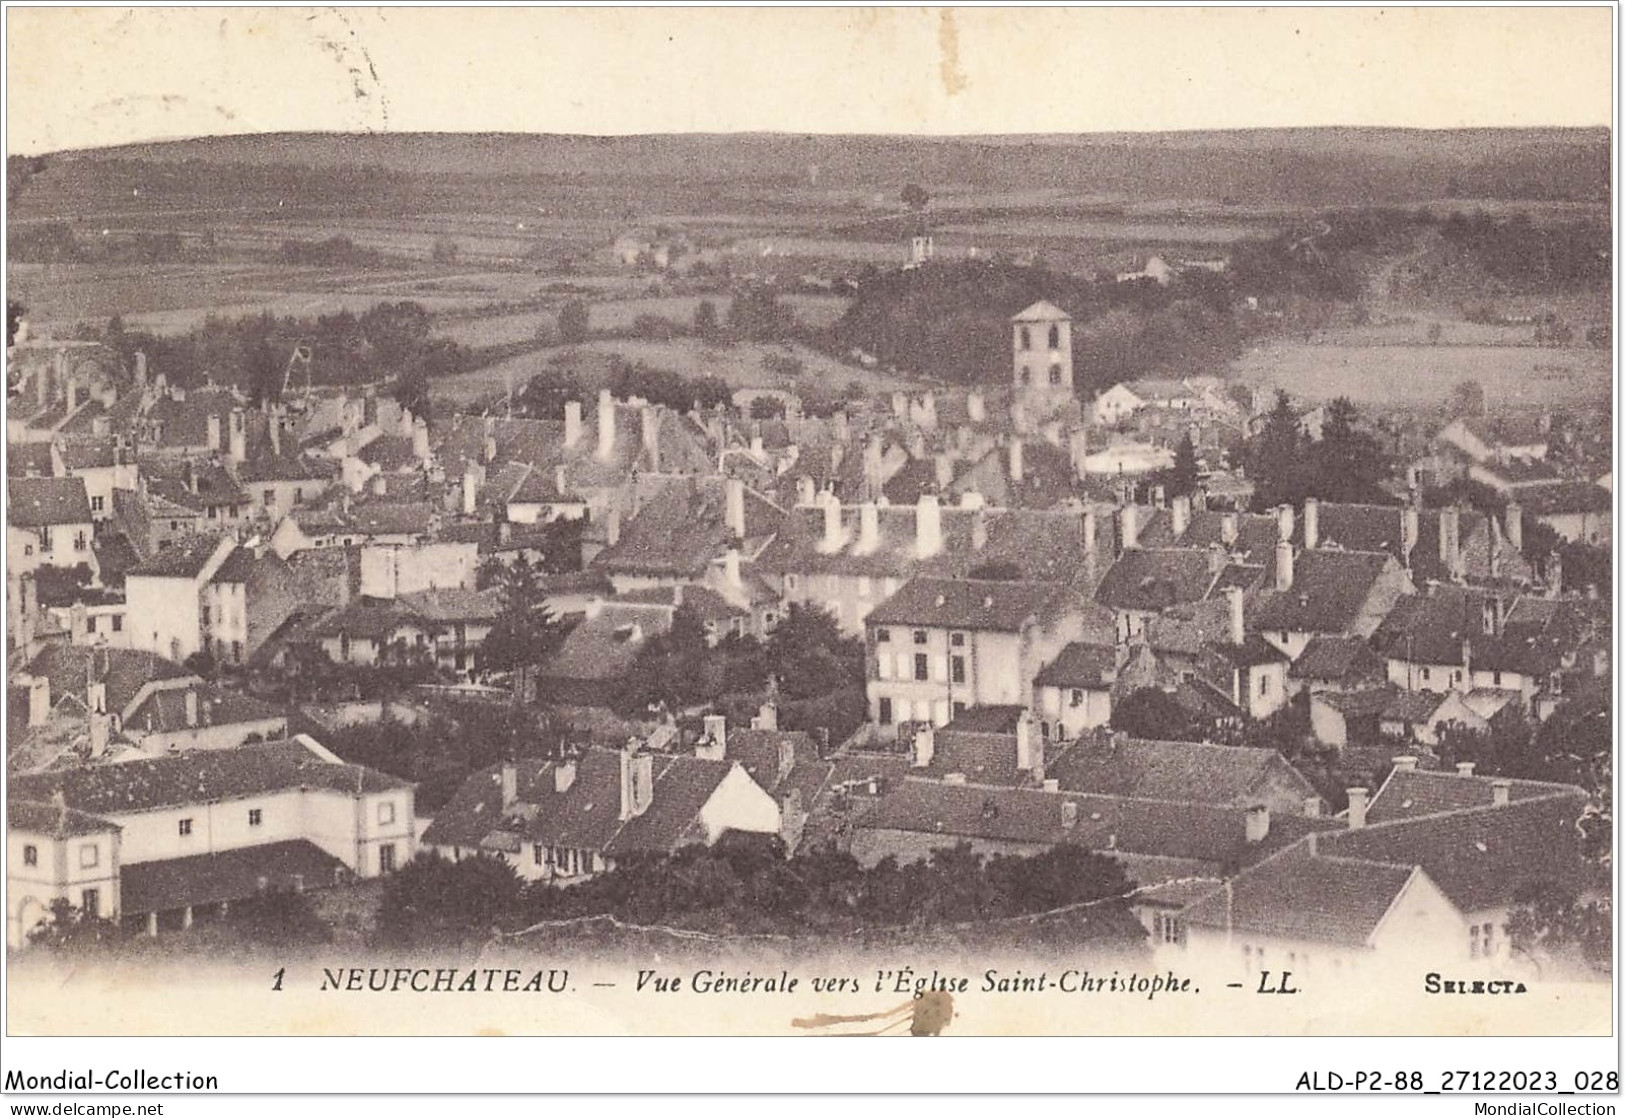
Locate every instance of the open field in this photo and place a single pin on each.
(742, 366)
(1426, 375)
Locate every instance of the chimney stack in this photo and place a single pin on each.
(733, 491)
(1465, 768)
(1283, 522)
(1357, 807)
(1501, 792)
(714, 745)
(1514, 525)
(805, 490)
(1180, 514)
(1238, 627)
(832, 524)
(868, 526)
(1258, 824)
(1554, 575)
(572, 423)
(730, 568)
(1128, 528)
(1283, 565)
(420, 439)
(1450, 541)
(510, 785)
(606, 425)
(925, 745)
(39, 700)
(215, 440)
(927, 526)
(471, 491)
(976, 407)
(945, 471)
(564, 775)
(1017, 465)
(978, 529)
(1410, 531)
(637, 780)
(1089, 527)
(238, 436)
(1229, 528)
(1311, 807)
(1078, 444)
(649, 416)
(612, 526)
(191, 707)
(1311, 523)
(1404, 764)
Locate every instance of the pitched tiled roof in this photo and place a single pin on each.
(199, 777)
(1407, 795)
(89, 454)
(1221, 775)
(124, 670)
(1480, 857)
(604, 647)
(1335, 658)
(452, 604)
(43, 501)
(1200, 832)
(1566, 498)
(1302, 897)
(683, 527)
(1042, 311)
(1359, 703)
(1155, 578)
(390, 452)
(1088, 666)
(587, 815)
(182, 559)
(229, 875)
(31, 459)
(770, 756)
(388, 518)
(967, 604)
(165, 711)
(49, 819)
(1328, 590)
(368, 619)
(285, 467)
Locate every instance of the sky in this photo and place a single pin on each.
(85, 77)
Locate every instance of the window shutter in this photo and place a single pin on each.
(939, 668)
(883, 666)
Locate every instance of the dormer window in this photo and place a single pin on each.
(919, 636)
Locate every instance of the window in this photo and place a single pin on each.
(256, 816)
(958, 708)
(882, 636)
(884, 712)
(90, 902)
(386, 812)
(268, 498)
(1497, 679)
(1055, 337)
(1077, 697)
(90, 855)
(1425, 675)
(919, 636)
(957, 640)
(185, 827)
(791, 582)
(28, 549)
(90, 624)
(205, 615)
(97, 503)
(922, 666)
(118, 622)
(1055, 374)
(1473, 949)
(45, 538)
(237, 652)
(1263, 684)
(174, 525)
(1489, 941)
(1026, 337)
(1026, 375)
(30, 855)
(298, 495)
(1170, 930)
(956, 668)
(386, 858)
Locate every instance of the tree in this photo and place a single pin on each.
(1348, 464)
(396, 332)
(1467, 398)
(767, 407)
(70, 930)
(1552, 926)
(1181, 479)
(412, 391)
(573, 322)
(757, 315)
(525, 632)
(432, 900)
(810, 657)
(915, 197)
(1153, 714)
(14, 320)
(707, 326)
(1276, 460)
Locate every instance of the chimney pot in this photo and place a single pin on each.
(510, 785)
(1501, 792)
(1258, 823)
(1405, 764)
(1465, 768)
